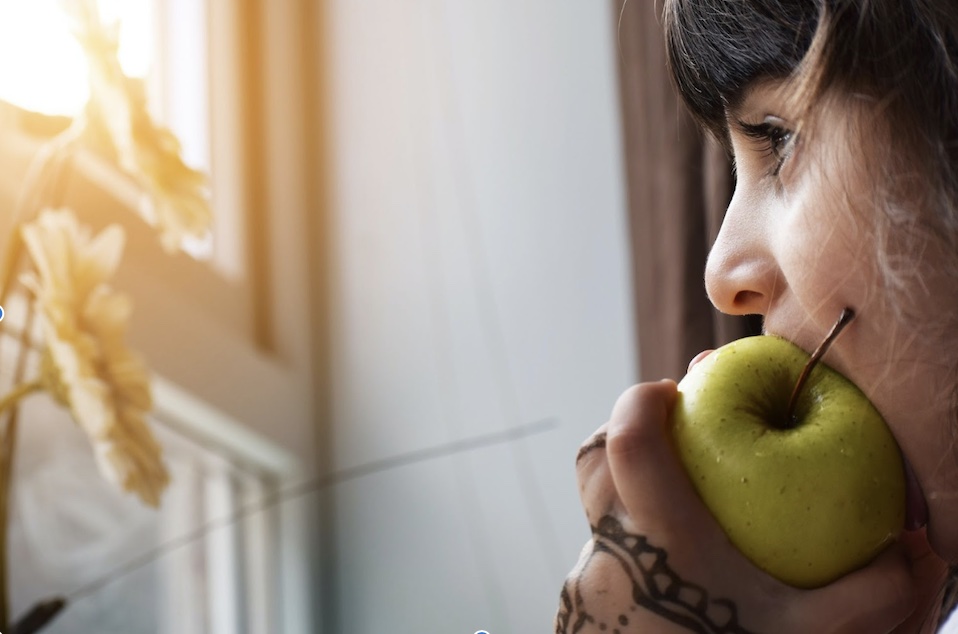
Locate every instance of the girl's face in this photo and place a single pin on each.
(799, 243)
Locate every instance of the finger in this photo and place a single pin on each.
(596, 490)
(875, 598)
(583, 558)
(928, 576)
(925, 563)
(698, 358)
(648, 476)
(592, 445)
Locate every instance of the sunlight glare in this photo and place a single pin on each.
(42, 67)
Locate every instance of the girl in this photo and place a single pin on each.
(842, 118)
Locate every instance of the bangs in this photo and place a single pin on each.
(717, 47)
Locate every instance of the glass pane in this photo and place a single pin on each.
(184, 568)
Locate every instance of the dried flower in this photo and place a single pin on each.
(86, 364)
(118, 123)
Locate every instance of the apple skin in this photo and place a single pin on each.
(807, 504)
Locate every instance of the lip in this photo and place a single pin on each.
(916, 507)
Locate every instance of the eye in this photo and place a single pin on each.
(774, 138)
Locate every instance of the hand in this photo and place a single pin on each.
(658, 561)
(928, 573)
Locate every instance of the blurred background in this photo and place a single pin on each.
(437, 227)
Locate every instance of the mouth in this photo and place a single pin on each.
(916, 508)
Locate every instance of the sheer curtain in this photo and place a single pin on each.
(679, 186)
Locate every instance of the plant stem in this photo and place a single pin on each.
(38, 616)
(28, 202)
(39, 181)
(6, 470)
(7, 445)
(843, 320)
(24, 389)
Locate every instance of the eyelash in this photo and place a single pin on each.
(777, 141)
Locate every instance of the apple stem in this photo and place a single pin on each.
(843, 320)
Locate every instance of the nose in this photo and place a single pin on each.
(742, 276)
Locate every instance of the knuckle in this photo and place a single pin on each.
(629, 399)
(593, 443)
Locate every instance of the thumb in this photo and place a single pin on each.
(650, 480)
(875, 598)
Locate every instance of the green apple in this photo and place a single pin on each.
(807, 496)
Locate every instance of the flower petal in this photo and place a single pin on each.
(87, 365)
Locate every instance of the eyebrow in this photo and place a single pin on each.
(735, 104)
(739, 101)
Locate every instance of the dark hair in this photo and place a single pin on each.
(717, 48)
(901, 53)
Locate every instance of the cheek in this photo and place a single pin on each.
(825, 254)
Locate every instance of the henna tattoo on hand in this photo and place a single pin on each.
(654, 587)
(597, 442)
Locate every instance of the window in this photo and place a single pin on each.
(200, 564)
(228, 335)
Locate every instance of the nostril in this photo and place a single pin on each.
(747, 299)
